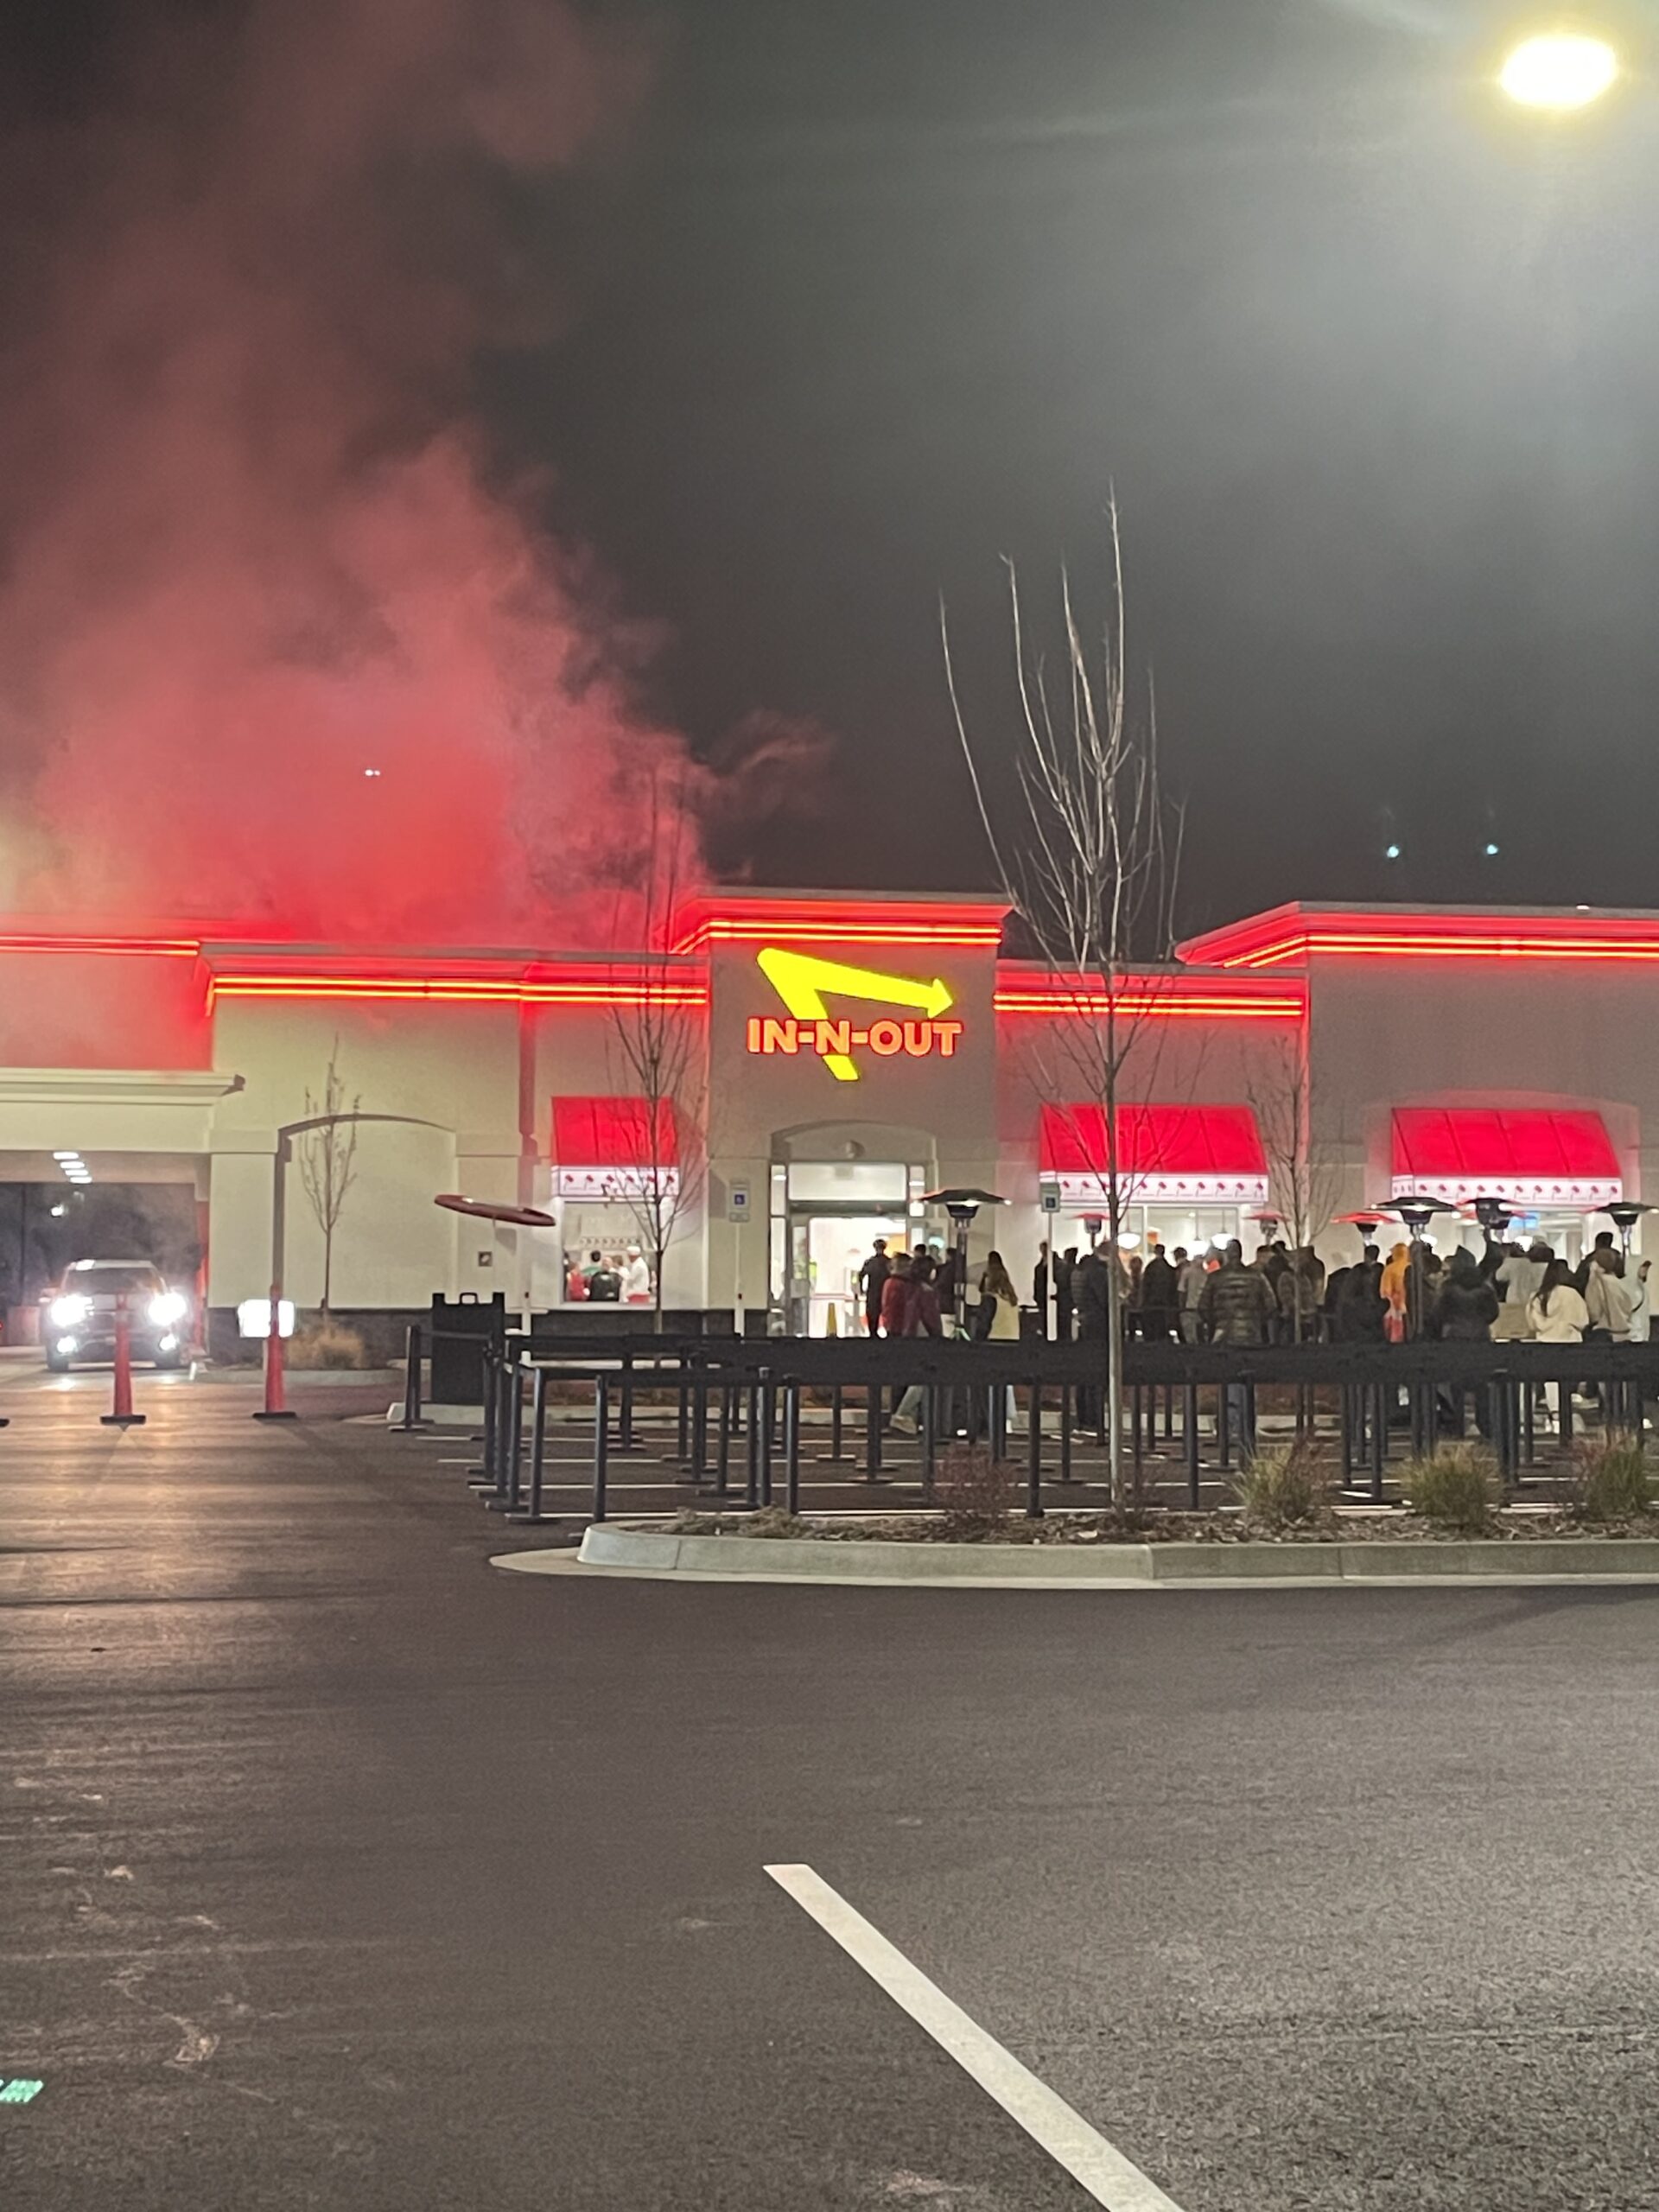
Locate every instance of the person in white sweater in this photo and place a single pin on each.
(1557, 1313)
(1610, 1296)
(1519, 1280)
(1641, 1312)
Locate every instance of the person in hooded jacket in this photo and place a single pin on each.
(896, 1297)
(1161, 1299)
(1396, 1289)
(1464, 1315)
(1359, 1309)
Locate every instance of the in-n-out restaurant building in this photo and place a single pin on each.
(851, 1055)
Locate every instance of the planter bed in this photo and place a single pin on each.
(1524, 1525)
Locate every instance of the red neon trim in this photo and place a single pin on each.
(1173, 997)
(1469, 948)
(1159, 1009)
(508, 991)
(735, 919)
(154, 948)
(1293, 934)
(747, 932)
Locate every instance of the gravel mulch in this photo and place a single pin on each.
(1526, 1525)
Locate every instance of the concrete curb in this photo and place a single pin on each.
(655, 1552)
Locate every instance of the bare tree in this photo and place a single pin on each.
(659, 1043)
(1306, 1176)
(1090, 863)
(327, 1162)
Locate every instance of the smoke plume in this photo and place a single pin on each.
(277, 650)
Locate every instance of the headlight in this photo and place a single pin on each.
(169, 1305)
(69, 1309)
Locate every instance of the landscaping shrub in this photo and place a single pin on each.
(326, 1344)
(1611, 1479)
(1456, 1487)
(1285, 1488)
(974, 1491)
(775, 1521)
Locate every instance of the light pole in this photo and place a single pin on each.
(275, 1405)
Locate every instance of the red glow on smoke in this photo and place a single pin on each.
(253, 549)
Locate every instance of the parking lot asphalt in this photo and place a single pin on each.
(341, 1870)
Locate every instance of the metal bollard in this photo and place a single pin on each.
(768, 1415)
(873, 1433)
(411, 1384)
(482, 1477)
(700, 1430)
(496, 1454)
(682, 1427)
(601, 1444)
(723, 1444)
(537, 1450)
(1345, 1427)
(792, 1446)
(1067, 1404)
(835, 1451)
(1034, 1457)
(1190, 1436)
(626, 1439)
(752, 1487)
(511, 1497)
(929, 1437)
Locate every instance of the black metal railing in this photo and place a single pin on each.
(1189, 1412)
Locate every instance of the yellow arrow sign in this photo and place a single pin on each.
(801, 981)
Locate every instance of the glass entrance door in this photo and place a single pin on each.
(826, 1250)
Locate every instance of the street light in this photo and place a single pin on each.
(1559, 69)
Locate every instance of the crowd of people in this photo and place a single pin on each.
(605, 1278)
(1509, 1292)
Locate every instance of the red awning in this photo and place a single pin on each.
(603, 1149)
(1193, 1154)
(613, 1132)
(1543, 1156)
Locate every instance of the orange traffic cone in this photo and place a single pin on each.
(122, 1415)
(276, 1406)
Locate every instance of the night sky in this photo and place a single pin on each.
(871, 293)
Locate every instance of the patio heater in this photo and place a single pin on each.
(962, 1205)
(1492, 1212)
(1416, 1211)
(1366, 1221)
(1624, 1213)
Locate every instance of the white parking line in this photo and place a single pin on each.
(1085, 2154)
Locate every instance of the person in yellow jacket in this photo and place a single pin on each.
(1396, 1288)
